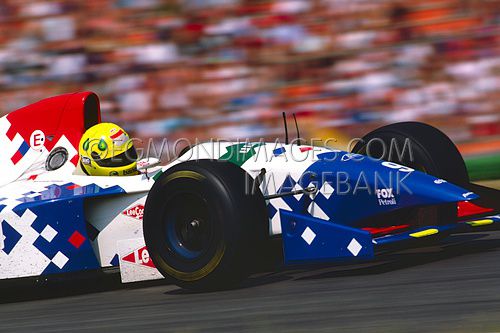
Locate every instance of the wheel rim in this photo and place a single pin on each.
(188, 226)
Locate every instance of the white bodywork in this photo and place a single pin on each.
(118, 218)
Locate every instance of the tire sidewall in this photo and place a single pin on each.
(231, 211)
(433, 153)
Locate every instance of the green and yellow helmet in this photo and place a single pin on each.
(106, 150)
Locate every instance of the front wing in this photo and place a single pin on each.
(308, 239)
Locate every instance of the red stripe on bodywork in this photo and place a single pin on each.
(11, 133)
(467, 208)
(385, 230)
(17, 157)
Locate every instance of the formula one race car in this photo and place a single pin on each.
(204, 219)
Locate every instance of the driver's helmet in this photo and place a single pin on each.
(106, 150)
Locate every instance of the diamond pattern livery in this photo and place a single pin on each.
(48, 233)
(327, 190)
(308, 236)
(76, 239)
(354, 247)
(60, 260)
(315, 210)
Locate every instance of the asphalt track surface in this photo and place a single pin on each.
(453, 287)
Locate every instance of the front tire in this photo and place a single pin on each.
(430, 151)
(203, 226)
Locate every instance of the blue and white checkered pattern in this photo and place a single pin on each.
(45, 232)
(316, 205)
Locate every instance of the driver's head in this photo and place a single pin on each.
(106, 150)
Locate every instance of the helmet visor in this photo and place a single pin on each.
(126, 158)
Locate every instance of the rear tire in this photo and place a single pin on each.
(202, 226)
(429, 150)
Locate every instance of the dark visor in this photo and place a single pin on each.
(123, 159)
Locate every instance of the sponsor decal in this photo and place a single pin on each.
(350, 156)
(85, 160)
(137, 212)
(241, 152)
(130, 171)
(246, 148)
(139, 257)
(141, 164)
(37, 140)
(398, 167)
(467, 194)
(385, 197)
(440, 181)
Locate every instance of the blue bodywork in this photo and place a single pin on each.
(308, 239)
(364, 188)
(59, 207)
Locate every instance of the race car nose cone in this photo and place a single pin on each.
(432, 190)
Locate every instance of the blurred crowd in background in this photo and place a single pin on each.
(228, 68)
